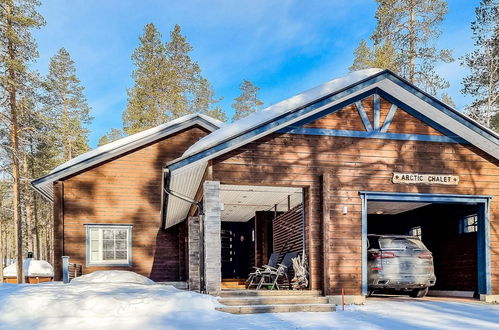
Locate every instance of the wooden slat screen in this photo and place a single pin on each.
(287, 231)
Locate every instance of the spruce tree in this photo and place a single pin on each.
(410, 28)
(113, 135)
(65, 98)
(483, 82)
(247, 102)
(17, 51)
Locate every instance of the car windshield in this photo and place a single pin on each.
(400, 243)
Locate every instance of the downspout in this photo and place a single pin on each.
(168, 192)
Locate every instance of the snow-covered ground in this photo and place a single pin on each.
(96, 305)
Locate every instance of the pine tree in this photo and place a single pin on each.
(383, 57)
(17, 50)
(410, 28)
(168, 83)
(205, 101)
(113, 135)
(71, 113)
(248, 102)
(483, 82)
(148, 98)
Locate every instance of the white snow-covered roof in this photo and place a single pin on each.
(280, 108)
(186, 173)
(31, 267)
(45, 184)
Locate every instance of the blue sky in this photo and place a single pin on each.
(284, 46)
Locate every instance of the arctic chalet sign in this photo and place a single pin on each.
(417, 178)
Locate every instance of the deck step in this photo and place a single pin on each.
(260, 293)
(273, 300)
(254, 309)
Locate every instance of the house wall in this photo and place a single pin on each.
(126, 190)
(334, 170)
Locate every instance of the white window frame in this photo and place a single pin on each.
(124, 262)
(416, 232)
(467, 228)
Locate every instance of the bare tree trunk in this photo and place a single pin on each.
(36, 232)
(28, 203)
(14, 141)
(412, 42)
(2, 256)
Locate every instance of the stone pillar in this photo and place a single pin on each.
(212, 238)
(193, 245)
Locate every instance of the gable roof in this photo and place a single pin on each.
(44, 185)
(185, 173)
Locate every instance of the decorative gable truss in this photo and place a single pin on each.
(376, 115)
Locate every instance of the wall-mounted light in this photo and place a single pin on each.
(345, 209)
(379, 212)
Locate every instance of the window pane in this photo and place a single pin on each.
(108, 255)
(108, 245)
(94, 256)
(94, 233)
(120, 234)
(120, 255)
(107, 233)
(120, 244)
(94, 245)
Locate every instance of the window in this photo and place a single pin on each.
(469, 224)
(109, 245)
(415, 231)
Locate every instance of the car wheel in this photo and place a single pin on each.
(418, 293)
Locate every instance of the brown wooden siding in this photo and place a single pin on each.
(352, 165)
(345, 119)
(127, 190)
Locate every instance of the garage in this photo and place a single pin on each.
(453, 228)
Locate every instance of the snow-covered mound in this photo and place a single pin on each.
(112, 276)
(30, 268)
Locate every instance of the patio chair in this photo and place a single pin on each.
(254, 277)
(271, 276)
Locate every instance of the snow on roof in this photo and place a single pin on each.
(132, 138)
(31, 267)
(280, 108)
(118, 147)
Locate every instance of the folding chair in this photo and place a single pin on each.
(254, 276)
(270, 276)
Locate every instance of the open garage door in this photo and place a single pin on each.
(455, 228)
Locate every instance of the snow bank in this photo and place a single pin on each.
(280, 108)
(122, 306)
(31, 267)
(96, 305)
(112, 276)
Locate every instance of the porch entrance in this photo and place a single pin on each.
(258, 221)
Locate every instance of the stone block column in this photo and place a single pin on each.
(193, 245)
(212, 238)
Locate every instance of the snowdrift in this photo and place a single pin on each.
(112, 276)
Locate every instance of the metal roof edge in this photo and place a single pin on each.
(360, 82)
(202, 120)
